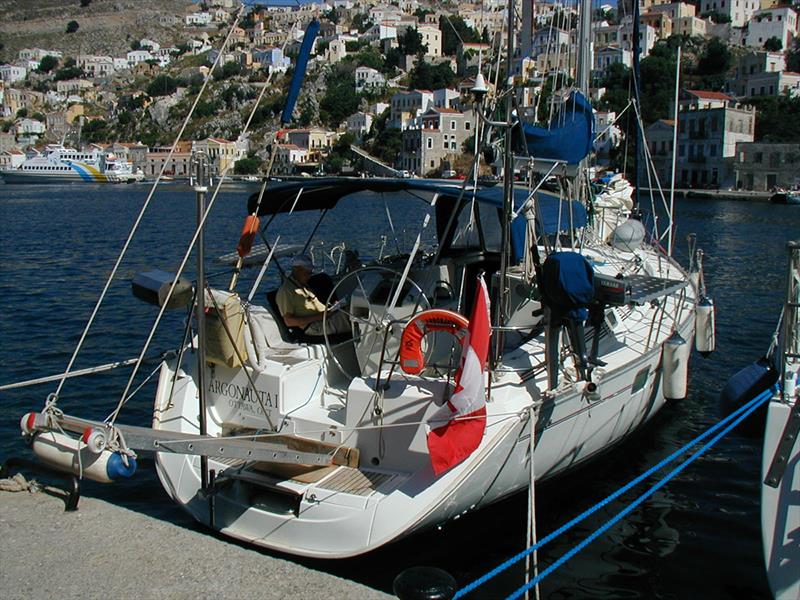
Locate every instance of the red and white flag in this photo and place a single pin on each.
(457, 428)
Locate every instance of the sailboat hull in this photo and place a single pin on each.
(343, 511)
(780, 508)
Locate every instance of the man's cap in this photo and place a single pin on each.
(303, 260)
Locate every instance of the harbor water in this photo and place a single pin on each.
(697, 537)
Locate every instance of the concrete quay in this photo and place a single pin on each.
(106, 551)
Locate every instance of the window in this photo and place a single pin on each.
(430, 143)
(452, 125)
(681, 150)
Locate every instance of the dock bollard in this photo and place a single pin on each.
(424, 583)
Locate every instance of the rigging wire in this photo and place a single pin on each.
(146, 204)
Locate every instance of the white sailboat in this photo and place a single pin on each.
(322, 446)
(780, 505)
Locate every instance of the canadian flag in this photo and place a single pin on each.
(457, 428)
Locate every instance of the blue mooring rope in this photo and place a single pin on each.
(737, 416)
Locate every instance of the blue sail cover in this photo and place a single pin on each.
(300, 70)
(570, 135)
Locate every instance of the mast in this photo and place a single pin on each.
(508, 193)
(636, 99)
(584, 67)
(674, 152)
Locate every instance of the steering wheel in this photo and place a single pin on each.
(367, 298)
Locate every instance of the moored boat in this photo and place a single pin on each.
(780, 505)
(57, 164)
(785, 197)
(435, 400)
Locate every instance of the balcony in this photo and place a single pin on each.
(697, 160)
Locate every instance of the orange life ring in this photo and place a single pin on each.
(412, 360)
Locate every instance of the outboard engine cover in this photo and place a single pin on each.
(567, 292)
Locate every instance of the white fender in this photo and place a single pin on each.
(705, 336)
(74, 456)
(675, 367)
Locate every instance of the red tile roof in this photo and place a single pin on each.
(709, 95)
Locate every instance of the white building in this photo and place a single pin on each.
(778, 22)
(446, 98)
(151, 45)
(675, 10)
(96, 66)
(359, 123)
(773, 84)
(405, 106)
(12, 73)
(134, 57)
(271, 59)
(337, 50)
(690, 27)
(38, 54)
(605, 56)
(738, 11)
(608, 135)
(378, 108)
(198, 19)
(368, 78)
(27, 127)
(432, 38)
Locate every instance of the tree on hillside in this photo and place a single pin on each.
(793, 57)
(777, 118)
(427, 77)
(85, 3)
(370, 57)
(333, 16)
(617, 82)
(411, 42)
(246, 166)
(657, 82)
(163, 85)
(72, 26)
(361, 22)
(453, 28)
(228, 70)
(68, 72)
(387, 145)
(340, 99)
(47, 64)
(715, 59)
(773, 44)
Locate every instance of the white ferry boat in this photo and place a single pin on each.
(58, 164)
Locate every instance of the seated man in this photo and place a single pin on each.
(300, 307)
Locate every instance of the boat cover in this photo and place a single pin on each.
(554, 215)
(570, 135)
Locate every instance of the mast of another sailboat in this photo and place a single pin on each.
(636, 100)
(508, 193)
